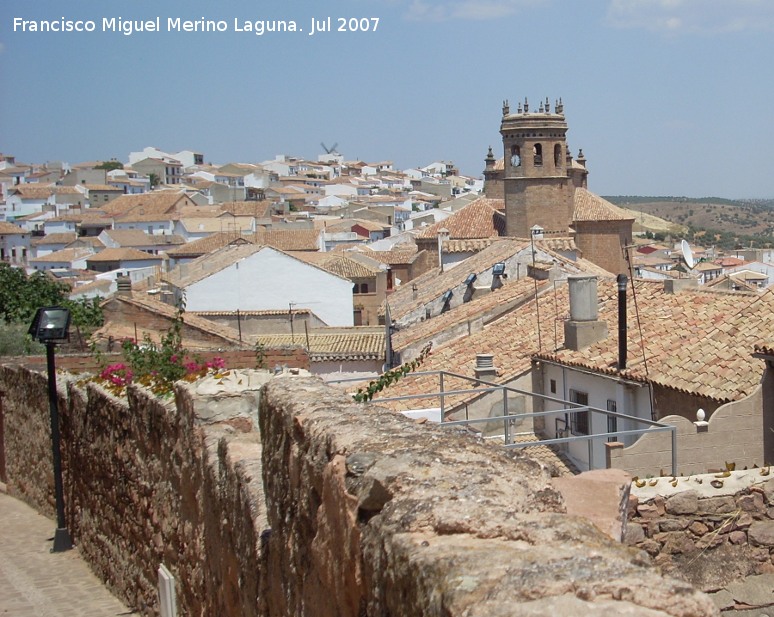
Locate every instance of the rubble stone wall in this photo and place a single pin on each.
(708, 530)
(370, 513)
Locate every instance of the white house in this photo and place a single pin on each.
(14, 243)
(251, 277)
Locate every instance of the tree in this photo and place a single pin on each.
(21, 296)
(154, 180)
(110, 165)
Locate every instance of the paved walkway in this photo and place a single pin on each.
(37, 583)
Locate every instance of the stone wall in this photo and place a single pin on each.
(392, 517)
(370, 513)
(733, 433)
(290, 356)
(150, 481)
(710, 529)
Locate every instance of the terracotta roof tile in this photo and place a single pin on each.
(479, 219)
(694, 341)
(122, 254)
(336, 344)
(591, 207)
(11, 229)
(64, 237)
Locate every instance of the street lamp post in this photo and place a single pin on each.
(50, 326)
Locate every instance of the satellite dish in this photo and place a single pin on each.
(687, 255)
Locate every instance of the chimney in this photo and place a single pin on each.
(621, 279)
(673, 286)
(123, 286)
(485, 368)
(584, 327)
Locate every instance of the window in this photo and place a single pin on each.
(557, 155)
(579, 421)
(537, 151)
(612, 421)
(553, 386)
(515, 156)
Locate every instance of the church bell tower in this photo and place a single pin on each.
(538, 176)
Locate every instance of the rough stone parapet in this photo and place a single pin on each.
(390, 517)
(709, 529)
(370, 513)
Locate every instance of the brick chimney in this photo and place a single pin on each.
(123, 286)
(584, 327)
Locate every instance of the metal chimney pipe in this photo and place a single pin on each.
(621, 279)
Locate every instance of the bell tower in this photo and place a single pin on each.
(538, 183)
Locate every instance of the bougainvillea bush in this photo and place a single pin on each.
(158, 366)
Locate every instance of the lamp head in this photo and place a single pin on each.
(50, 324)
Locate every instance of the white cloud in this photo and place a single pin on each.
(710, 16)
(437, 10)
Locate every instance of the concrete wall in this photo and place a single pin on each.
(385, 517)
(734, 433)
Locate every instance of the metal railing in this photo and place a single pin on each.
(483, 387)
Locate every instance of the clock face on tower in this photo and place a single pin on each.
(515, 160)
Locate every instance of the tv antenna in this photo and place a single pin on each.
(331, 150)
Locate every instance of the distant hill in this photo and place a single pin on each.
(727, 223)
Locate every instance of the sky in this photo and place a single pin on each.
(665, 97)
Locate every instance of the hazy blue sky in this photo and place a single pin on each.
(666, 97)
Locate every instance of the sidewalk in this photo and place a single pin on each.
(37, 583)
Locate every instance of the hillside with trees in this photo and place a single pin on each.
(725, 223)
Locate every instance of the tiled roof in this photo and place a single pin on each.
(122, 254)
(337, 344)
(206, 265)
(338, 263)
(694, 341)
(137, 237)
(591, 207)
(469, 245)
(433, 284)
(297, 310)
(258, 209)
(559, 244)
(479, 219)
(11, 229)
(200, 247)
(394, 257)
(153, 203)
(65, 255)
(26, 191)
(487, 307)
(289, 239)
(64, 237)
(215, 261)
(88, 241)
